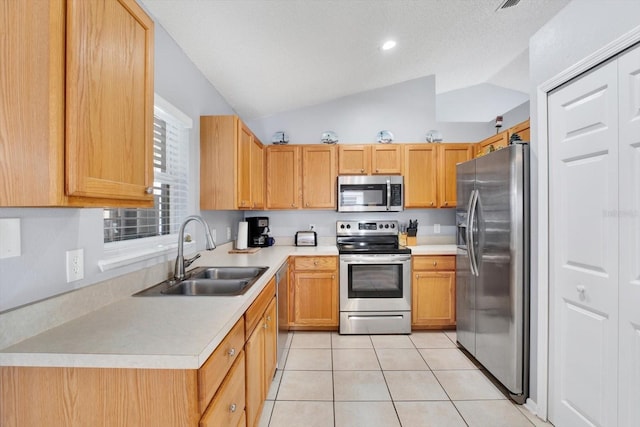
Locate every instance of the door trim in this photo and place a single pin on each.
(541, 406)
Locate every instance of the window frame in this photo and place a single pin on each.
(125, 252)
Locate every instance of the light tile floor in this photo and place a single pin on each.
(332, 380)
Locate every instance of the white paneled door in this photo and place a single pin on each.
(594, 157)
(629, 214)
(583, 159)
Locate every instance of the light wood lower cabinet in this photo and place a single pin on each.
(313, 293)
(228, 390)
(227, 408)
(261, 350)
(434, 292)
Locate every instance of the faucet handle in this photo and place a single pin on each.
(189, 261)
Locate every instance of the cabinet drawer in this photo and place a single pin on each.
(315, 263)
(256, 310)
(227, 407)
(211, 374)
(434, 263)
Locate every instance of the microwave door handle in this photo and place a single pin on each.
(388, 194)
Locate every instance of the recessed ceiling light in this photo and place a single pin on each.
(389, 44)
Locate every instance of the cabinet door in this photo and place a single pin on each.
(386, 159)
(283, 177)
(109, 100)
(522, 130)
(245, 142)
(448, 156)
(420, 176)
(354, 159)
(270, 347)
(32, 103)
(319, 176)
(257, 174)
(434, 301)
(492, 143)
(255, 392)
(315, 298)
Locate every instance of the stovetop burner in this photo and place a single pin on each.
(368, 237)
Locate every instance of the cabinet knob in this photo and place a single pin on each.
(361, 170)
(581, 292)
(377, 170)
(232, 407)
(307, 204)
(435, 263)
(333, 276)
(231, 352)
(446, 203)
(417, 276)
(293, 205)
(315, 262)
(148, 190)
(268, 318)
(431, 204)
(265, 326)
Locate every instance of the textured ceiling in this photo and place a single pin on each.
(269, 56)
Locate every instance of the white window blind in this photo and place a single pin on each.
(170, 186)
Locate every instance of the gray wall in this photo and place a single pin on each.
(48, 233)
(406, 109)
(578, 30)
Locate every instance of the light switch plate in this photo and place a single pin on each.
(10, 237)
(436, 228)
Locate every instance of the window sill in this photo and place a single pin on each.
(121, 254)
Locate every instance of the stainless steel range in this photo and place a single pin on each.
(375, 278)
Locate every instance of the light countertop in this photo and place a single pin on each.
(162, 332)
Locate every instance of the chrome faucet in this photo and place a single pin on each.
(182, 263)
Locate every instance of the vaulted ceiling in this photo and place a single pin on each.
(270, 56)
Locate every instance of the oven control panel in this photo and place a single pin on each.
(373, 228)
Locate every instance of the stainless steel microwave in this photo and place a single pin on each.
(370, 193)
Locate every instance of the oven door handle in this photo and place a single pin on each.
(385, 259)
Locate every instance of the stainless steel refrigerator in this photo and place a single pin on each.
(492, 264)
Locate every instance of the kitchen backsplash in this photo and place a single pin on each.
(286, 223)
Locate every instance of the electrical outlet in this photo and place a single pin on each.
(436, 228)
(75, 265)
(228, 233)
(312, 227)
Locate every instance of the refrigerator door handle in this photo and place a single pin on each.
(473, 204)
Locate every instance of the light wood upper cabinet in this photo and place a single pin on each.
(231, 165)
(79, 113)
(386, 159)
(420, 175)
(434, 292)
(370, 159)
(448, 156)
(522, 130)
(283, 177)
(301, 176)
(354, 159)
(319, 176)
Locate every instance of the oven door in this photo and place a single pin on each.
(375, 282)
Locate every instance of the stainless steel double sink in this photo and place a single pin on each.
(209, 281)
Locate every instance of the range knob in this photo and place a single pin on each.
(386, 226)
(380, 226)
(342, 226)
(348, 225)
(393, 226)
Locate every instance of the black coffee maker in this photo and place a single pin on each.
(258, 227)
